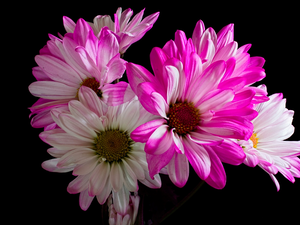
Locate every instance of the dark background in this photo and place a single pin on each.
(40, 197)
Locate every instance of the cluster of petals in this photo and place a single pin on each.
(129, 218)
(126, 32)
(64, 64)
(211, 73)
(268, 148)
(73, 150)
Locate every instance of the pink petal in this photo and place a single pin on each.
(107, 49)
(198, 158)
(52, 90)
(81, 32)
(116, 68)
(58, 70)
(137, 74)
(171, 50)
(39, 74)
(231, 127)
(201, 137)
(217, 176)
(197, 34)
(116, 176)
(85, 200)
(178, 169)
(86, 167)
(51, 166)
(117, 94)
(143, 132)
(159, 141)
(79, 184)
(68, 24)
(157, 162)
(180, 40)
(253, 75)
(226, 52)
(230, 152)
(251, 160)
(144, 92)
(157, 59)
(159, 104)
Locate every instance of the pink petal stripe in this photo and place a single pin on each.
(204, 138)
(198, 158)
(116, 68)
(117, 94)
(137, 74)
(217, 176)
(159, 141)
(230, 152)
(144, 91)
(157, 59)
(157, 162)
(171, 50)
(178, 169)
(159, 104)
(81, 32)
(143, 132)
(79, 184)
(230, 127)
(197, 34)
(180, 40)
(39, 74)
(68, 24)
(52, 90)
(91, 101)
(85, 200)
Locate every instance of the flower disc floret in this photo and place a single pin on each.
(93, 84)
(112, 145)
(184, 117)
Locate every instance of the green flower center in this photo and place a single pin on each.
(93, 84)
(112, 145)
(184, 117)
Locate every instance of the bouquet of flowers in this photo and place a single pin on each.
(198, 107)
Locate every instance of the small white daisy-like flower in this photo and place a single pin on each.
(94, 142)
(266, 147)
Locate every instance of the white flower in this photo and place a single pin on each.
(266, 147)
(94, 141)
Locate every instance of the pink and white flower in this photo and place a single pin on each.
(94, 142)
(129, 218)
(126, 32)
(199, 107)
(78, 59)
(266, 146)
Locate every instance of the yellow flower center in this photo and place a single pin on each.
(184, 117)
(254, 140)
(112, 145)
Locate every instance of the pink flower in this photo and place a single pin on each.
(94, 142)
(126, 33)
(199, 105)
(266, 147)
(78, 59)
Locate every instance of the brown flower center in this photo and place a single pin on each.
(184, 117)
(112, 145)
(93, 84)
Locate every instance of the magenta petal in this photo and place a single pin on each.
(69, 24)
(81, 32)
(157, 162)
(180, 40)
(144, 131)
(137, 74)
(197, 34)
(159, 141)
(144, 92)
(171, 49)
(230, 152)
(230, 127)
(178, 169)
(157, 59)
(198, 158)
(117, 94)
(217, 176)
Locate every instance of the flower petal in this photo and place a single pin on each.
(178, 169)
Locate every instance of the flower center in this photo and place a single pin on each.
(254, 140)
(93, 84)
(184, 117)
(112, 145)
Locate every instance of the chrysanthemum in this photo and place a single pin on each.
(78, 59)
(198, 108)
(95, 143)
(116, 218)
(126, 33)
(266, 147)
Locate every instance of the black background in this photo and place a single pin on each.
(40, 197)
